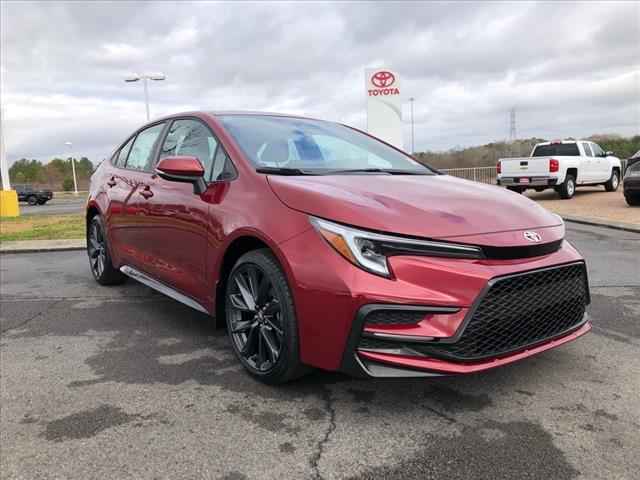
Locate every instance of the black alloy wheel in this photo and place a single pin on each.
(99, 259)
(261, 319)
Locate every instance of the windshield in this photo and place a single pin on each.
(559, 149)
(313, 146)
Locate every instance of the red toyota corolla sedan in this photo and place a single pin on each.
(321, 246)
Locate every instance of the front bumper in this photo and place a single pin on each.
(527, 182)
(332, 296)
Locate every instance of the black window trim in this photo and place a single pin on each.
(219, 144)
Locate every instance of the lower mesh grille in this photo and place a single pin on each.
(516, 312)
(394, 317)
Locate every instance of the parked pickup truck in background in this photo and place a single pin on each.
(561, 165)
(26, 193)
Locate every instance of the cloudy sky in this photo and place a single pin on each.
(569, 69)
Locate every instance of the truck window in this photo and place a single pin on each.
(587, 150)
(559, 149)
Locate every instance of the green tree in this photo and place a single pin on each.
(67, 184)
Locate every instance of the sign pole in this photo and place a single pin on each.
(8, 198)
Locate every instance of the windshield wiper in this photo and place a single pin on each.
(389, 171)
(283, 171)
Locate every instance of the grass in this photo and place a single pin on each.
(42, 227)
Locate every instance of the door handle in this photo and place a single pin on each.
(112, 182)
(146, 192)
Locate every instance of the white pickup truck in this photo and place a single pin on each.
(561, 165)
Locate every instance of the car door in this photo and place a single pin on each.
(601, 171)
(587, 164)
(137, 174)
(175, 231)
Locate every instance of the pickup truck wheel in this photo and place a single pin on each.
(632, 200)
(516, 189)
(32, 200)
(613, 183)
(99, 258)
(568, 188)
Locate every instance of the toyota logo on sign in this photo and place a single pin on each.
(532, 236)
(383, 79)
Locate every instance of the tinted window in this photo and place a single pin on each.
(121, 159)
(270, 141)
(141, 152)
(597, 151)
(566, 149)
(193, 138)
(587, 150)
(223, 169)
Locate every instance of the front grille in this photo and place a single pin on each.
(394, 317)
(516, 312)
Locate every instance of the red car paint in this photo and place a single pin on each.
(181, 239)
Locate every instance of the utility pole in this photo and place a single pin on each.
(413, 147)
(512, 125)
(6, 182)
(73, 168)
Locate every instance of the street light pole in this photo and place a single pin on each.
(73, 168)
(413, 148)
(6, 182)
(145, 77)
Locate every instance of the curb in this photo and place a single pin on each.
(31, 246)
(600, 223)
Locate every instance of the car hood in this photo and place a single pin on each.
(431, 206)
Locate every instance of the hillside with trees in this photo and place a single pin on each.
(56, 175)
(488, 155)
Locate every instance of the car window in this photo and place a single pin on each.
(142, 149)
(560, 149)
(223, 168)
(121, 159)
(587, 150)
(597, 151)
(193, 138)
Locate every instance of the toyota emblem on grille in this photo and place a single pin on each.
(383, 79)
(532, 236)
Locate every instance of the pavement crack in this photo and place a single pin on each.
(33, 317)
(320, 446)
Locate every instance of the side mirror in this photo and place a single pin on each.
(609, 153)
(183, 169)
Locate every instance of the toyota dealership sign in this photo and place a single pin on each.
(384, 105)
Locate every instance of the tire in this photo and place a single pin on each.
(632, 200)
(516, 189)
(32, 200)
(614, 182)
(261, 319)
(568, 189)
(99, 257)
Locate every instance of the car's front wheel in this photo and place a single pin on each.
(633, 200)
(261, 318)
(99, 258)
(612, 184)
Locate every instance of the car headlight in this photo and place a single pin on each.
(370, 251)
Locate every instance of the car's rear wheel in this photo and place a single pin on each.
(261, 319)
(568, 188)
(632, 200)
(32, 200)
(99, 258)
(613, 183)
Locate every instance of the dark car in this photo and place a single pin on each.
(631, 184)
(26, 193)
(322, 246)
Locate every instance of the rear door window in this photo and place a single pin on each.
(121, 158)
(140, 157)
(192, 138)
(559, 149)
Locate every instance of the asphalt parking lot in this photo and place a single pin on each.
(122, 383)
(56, 206)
